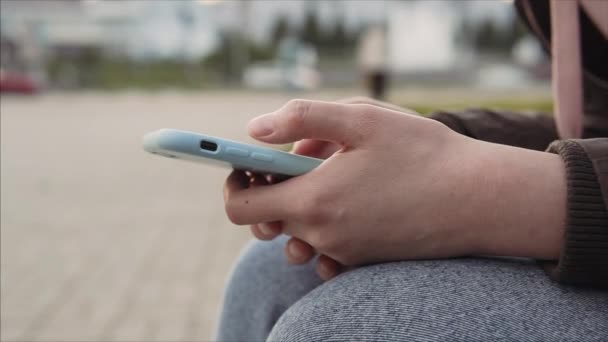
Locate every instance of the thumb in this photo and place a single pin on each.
(304, 119)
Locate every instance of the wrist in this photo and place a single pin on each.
(523, 209)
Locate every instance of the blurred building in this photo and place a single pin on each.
(35, 31)
(422, 35)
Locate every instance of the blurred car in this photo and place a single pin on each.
(15, 82)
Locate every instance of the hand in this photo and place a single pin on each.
(324, 149)
(404, 187)
(298, 251)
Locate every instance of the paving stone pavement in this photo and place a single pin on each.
(101, 241)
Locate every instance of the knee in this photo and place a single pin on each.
(261, 287)
(262, 272)
(460, 299)
(381, 302)
(340, 309)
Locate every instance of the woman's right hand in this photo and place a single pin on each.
(298, 251)
(422, 191)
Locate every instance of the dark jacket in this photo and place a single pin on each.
(584, 257)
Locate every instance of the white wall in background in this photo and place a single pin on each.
(421, 36)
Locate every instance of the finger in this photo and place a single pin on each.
(266, 231)
(327, 267)
(298, 251)
(236, 181)
(308, 147)
(315, 148)
(257, 204)
(304, 119)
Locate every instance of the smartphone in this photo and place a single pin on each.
(207, 149)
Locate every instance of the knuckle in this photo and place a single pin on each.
(315, 208)
(367, 120)
(328, 242)
(360, 100)
(365, 109)
(320, 239)
(369, 114)
(342, 250)
(297, 111)
(347, 259)
(258, 234)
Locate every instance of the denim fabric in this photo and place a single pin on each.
(261, 288)
(466, 299)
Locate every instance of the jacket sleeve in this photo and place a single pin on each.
(532, 130)
(584, 257)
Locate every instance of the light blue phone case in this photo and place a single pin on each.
(203, 148)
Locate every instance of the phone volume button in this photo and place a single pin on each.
(239, 152)
(261, 157)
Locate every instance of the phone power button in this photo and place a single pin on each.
(261, 157)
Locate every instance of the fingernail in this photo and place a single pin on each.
(265, 229)
(261, 126)
(295, 251)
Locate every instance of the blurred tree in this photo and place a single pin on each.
(220, 59)
(311, 32)
(516, 30)
(488, 36)
(280, 30)
(339, 36)
(74, 66)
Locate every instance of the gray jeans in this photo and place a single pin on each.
(468, 299)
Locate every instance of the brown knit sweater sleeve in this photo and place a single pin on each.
(584, 257)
